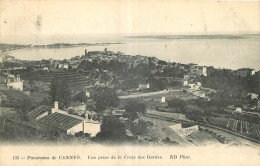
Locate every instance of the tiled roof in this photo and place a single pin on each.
(38, 111)
(60, 121)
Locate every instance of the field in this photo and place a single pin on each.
(244, 127)
(219, 122)
(74, 79)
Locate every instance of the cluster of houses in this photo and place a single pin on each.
(9, 81)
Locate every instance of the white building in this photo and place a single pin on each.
(143, 86)
(194, 86)
(65, 66)
(253, 95)
(199, 70)
(9, 81)
(233, 109)
(245, 72)
(87, 93)
(184, 131)
(163, 99)
(185, 83)
(46, 69)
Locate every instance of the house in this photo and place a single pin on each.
(252, 95)
(198, 70)
(63, 123)
(9, 81)
(184, 129)
(66, 123)
(143, 86)
(198, 84)
(194, 86)
(118, 113)
(65, 66)
(232, 109)
(163, 99)
(78, 109)
(46, 69)
(87, 93)
(185, 83)
(93, 53)
(245, 72)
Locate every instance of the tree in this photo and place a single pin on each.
(134, 108)
(81, 96)
(60, 91)
(105, 97)
(177, 103)
(112, 129)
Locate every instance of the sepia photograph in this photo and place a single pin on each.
(122, 82)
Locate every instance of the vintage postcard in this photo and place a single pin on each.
(120, 82)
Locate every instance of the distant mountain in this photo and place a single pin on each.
(222, 36)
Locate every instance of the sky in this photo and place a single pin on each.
(28, 17)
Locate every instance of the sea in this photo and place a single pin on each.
(217, 52)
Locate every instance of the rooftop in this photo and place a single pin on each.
(60, 121)
(38, 111)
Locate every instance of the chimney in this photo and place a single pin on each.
(56, 105)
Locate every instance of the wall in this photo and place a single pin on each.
(184, 131)
(75, 129)
(92, 128)
(176, 126)
(190, 130)
(143, 86)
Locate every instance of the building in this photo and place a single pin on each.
(56, 119)
(258, 104)
(163, 99)
(198, 84)
(9, 81)
(63, 123)
(87, 93)
(65, 66)
(245, 72)
(184, 130)
(185, 83)
(46, 69)
(198, 70)
(118, 113)
(252, 95)
(232, 109)
(78, 109)
(143, 86)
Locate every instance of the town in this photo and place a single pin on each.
(109, 97)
